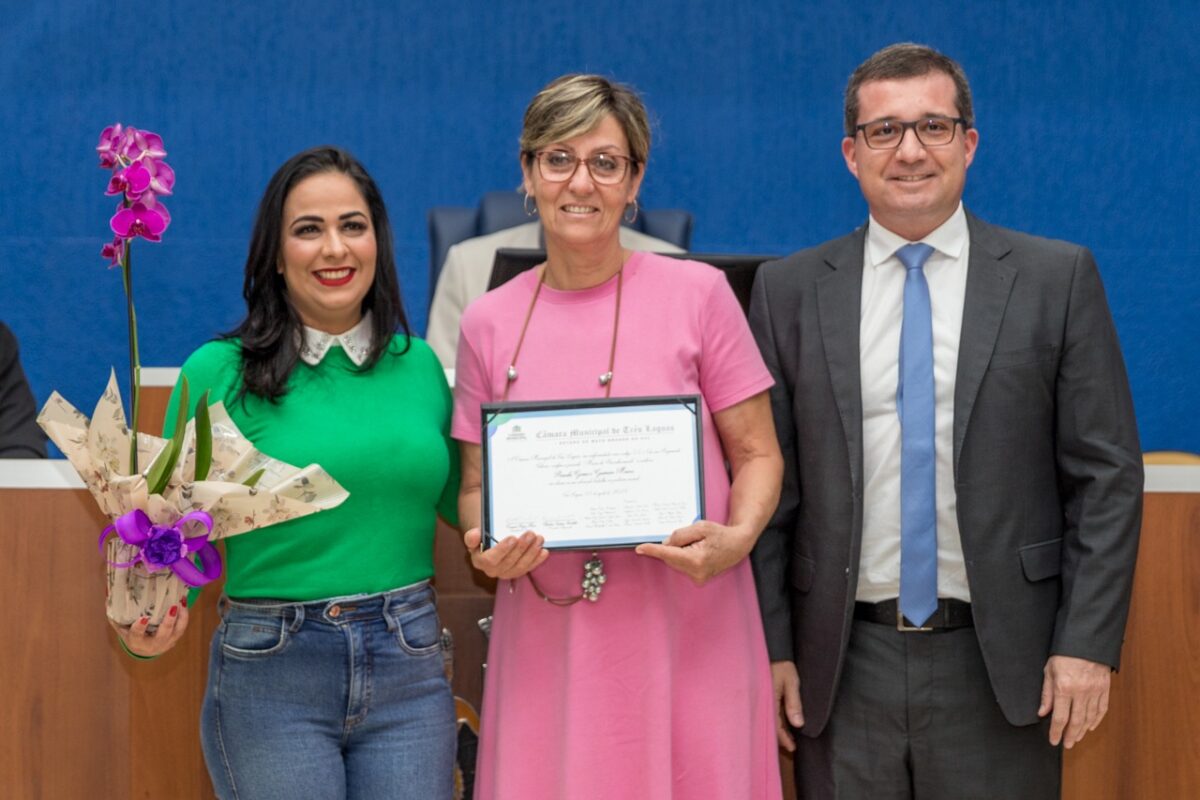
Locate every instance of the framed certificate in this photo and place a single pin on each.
(592, 473)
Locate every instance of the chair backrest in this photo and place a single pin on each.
(739, 269)
(449, 225)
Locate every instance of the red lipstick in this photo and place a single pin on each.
(324, 280)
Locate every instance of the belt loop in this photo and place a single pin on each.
(222, 606)
(297, 616)
(386, 613)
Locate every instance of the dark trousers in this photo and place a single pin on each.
(915, 719)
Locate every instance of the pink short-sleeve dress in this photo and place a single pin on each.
(661, 689)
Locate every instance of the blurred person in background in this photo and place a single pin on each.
(20, 436)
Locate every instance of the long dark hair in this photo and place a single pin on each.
(271, 331)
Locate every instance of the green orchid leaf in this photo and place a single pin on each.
(253, 479)
(160, 473)
(203, 438)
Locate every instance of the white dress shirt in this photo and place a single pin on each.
(879, 355)
(356, 342)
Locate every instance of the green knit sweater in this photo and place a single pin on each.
(383, 434)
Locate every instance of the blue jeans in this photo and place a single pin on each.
(340, 698)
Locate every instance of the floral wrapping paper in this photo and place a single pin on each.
(98, 449)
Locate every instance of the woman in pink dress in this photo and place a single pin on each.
(660, 687)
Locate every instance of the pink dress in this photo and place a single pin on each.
(661, 689)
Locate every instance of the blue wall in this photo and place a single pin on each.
(1087, 112)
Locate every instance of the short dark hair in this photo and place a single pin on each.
(270, 334)
(908, 60)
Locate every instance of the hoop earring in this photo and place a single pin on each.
(627, 217)
(530, 210)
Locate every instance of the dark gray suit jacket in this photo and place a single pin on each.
(20, 437)
(1047, 466)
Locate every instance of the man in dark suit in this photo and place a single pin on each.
(946, 580)
(20, 437)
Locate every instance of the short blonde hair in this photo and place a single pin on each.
(575, 104)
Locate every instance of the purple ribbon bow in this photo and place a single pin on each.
(165, 546)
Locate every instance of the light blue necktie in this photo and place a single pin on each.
(915, 402)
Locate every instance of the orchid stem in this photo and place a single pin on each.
(135, 367)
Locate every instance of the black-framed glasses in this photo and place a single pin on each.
(557, 166)
(887, 134)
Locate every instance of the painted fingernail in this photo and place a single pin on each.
(183, 602)
(173, 611)
(144, 621)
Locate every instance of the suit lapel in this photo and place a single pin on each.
(989, 283)
(839, 306)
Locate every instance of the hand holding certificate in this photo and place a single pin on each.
(592, 474)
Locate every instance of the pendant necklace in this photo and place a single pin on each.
(593, 569)
(605, 378)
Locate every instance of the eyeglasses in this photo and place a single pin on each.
(557, 166)
(887, 134)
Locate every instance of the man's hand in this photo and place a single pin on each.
(702, 550)
(786, 682)
(1076, 690)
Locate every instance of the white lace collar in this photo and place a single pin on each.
(356, 342)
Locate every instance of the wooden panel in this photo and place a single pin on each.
(464, 597)
(787, 768)
(65, 686)
(176, 682)
(74, 697)
(164, 711)
(1149, 745)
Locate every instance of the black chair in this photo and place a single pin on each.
(449, 225)
(739, 269)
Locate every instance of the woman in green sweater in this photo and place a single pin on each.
(325, 675)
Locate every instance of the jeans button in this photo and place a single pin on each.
(335, 612)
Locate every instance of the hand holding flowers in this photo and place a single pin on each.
(205, 483)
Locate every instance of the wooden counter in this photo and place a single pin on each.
(81, 719)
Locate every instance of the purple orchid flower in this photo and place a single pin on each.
(114, 251)
(139, 176)
(133, 181)
(154, 204)
(110, 141)
(141, 220)
(162, 177)
(137, 144)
